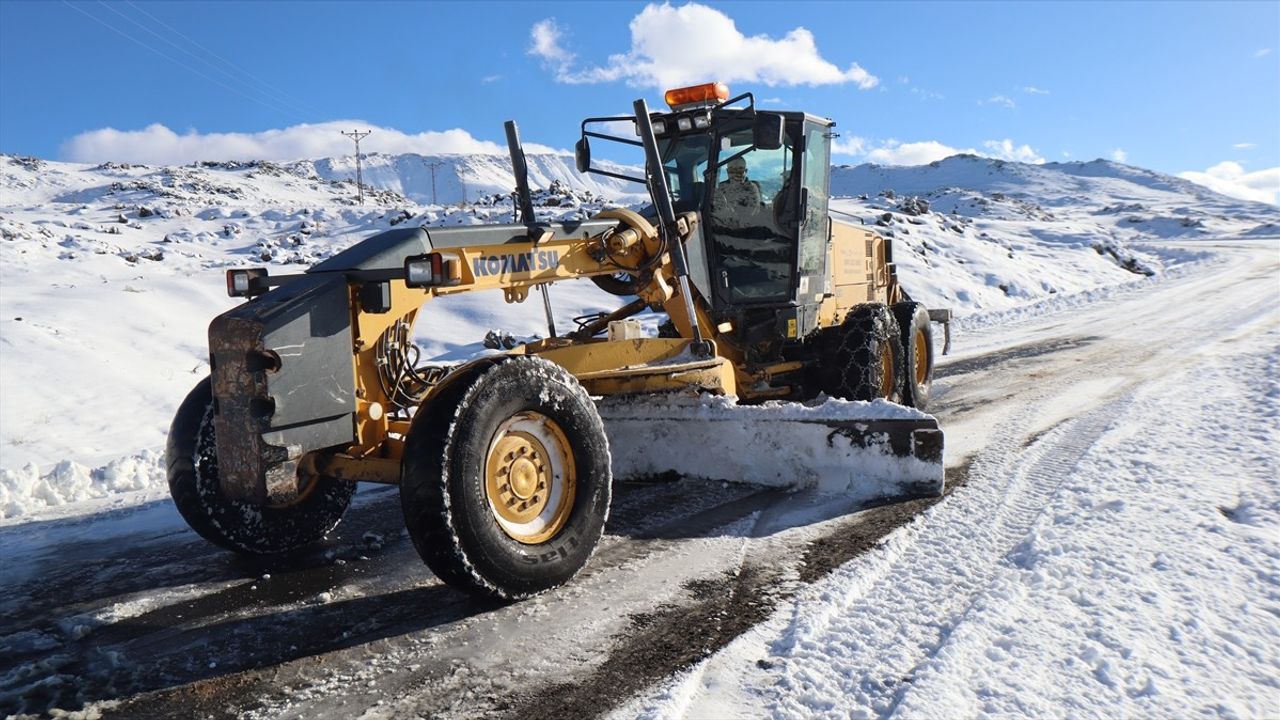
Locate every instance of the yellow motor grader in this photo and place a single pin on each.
(503, 462)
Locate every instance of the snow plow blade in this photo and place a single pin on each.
(870, 451)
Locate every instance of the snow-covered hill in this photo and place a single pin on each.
(978, 234)
(460, 178)
(111, 273)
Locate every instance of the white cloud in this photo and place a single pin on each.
(926, 94)
(1245, 146)
(852, 145)
(1033, 90)
(1000, 100)
(1066, 153)
(916, 153)
(673, 47)
(158, 145)
(1006, 150)
(546, 35)
(1262, 53)
(894, 152)
(490, 79)
(1230, 178)
(1119, 155)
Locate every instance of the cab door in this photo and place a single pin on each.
(750, 220)
(814, 200)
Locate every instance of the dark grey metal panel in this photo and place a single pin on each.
(267, 417)
(384, 251)
(310, 329)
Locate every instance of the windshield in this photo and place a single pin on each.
(747, 205)
(752, 224)
(685, 161)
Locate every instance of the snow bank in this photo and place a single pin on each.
(775, 444)
(27, 490)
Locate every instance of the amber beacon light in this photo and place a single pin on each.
(707, 94)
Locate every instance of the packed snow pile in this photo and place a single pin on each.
(818, 446)
(111, 273)
(26, 489)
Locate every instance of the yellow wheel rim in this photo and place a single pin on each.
(886, 370)
(530, 478)
(921, 349)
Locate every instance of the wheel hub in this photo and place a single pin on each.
(519, 477)
(886, 370)
(921, 349)
(529, 478)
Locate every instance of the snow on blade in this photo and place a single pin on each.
(775, 444)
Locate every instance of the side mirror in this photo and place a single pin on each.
(582, 154)
(766, 133)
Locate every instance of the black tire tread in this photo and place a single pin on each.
(911, 315)
(428, 489)
(850, 366)
(191, 466)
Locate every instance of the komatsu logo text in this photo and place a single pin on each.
(515, 262)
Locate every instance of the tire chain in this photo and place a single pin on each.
(853, 360)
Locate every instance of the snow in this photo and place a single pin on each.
(1124, 564)
(775, 444)
(112, 272)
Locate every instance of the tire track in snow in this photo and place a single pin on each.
(898, 605)
(1038, 479)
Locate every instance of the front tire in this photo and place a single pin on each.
(506, 480)
(917, 345)
(192, 460)
(862, 358)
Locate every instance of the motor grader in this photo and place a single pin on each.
(503, 462)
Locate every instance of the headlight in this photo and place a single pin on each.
(246, 283)
(431, 270)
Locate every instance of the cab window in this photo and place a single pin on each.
(753, 243)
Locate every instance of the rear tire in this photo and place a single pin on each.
(917, 345)
(192, 461)
(862, 358)
(506, 480)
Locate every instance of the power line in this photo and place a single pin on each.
(358, 136)
(276, 92)
(175, 61)
(433, 165)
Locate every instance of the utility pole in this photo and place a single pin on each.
(433, 165)
(358, 136)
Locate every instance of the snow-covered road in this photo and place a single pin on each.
(1108, 547)
(1112, 554)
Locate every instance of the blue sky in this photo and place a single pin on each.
(1170, 86)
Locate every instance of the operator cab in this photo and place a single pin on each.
(760, 181)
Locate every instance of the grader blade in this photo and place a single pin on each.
(869, 451)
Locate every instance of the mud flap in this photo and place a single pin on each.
(874, 451)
